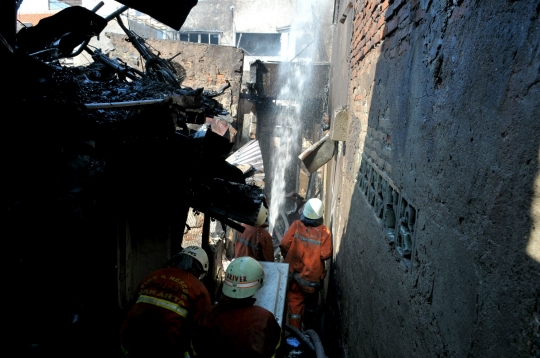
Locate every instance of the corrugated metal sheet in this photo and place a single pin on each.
(250, 154)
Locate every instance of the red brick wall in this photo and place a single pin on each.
(383, 23)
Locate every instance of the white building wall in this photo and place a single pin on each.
(233, 16)
(34, 6)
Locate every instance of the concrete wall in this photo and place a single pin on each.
(435, 192)
(262, 16)
(205, 66)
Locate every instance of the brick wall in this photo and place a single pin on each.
(436, 91)
(382, 28)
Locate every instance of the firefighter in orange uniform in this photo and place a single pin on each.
(168, 303)
(254, 242)
(235, 327)
(305, 246)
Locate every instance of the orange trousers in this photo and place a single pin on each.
(300, 302)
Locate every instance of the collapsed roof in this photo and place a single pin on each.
(138, 142)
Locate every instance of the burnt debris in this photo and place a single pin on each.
(78, 165)
(133, 140)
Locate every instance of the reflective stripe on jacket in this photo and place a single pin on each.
(166, 306)
(254, 242)
(306, 248)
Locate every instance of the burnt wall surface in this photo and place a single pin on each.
(435, 220)
(206, 66)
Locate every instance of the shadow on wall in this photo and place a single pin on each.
(433, 258)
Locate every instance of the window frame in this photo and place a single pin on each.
(199, 35)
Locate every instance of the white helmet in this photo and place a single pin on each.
(243, 278)
(198, 254)
(313, 209)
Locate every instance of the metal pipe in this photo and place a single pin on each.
(116, 13)
(86, 42)
(98, 6)
(122, 104)
(79, 50)
(171, 58)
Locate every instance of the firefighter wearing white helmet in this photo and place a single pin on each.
(184, 260)
(168, 302)
(255, 241)
(243, 278)
(313, 209)
(235, 322)
(305, 246)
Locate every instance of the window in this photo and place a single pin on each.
(259, 44)
(199, 37)
(62, 4)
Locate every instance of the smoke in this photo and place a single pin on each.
(298, 49)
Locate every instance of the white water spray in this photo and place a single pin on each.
(301, 49)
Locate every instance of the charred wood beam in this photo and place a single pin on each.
(223, 219)
(205, 244)
(219, 92)
(178, 224)
(122, 70)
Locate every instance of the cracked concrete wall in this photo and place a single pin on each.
(444, 99)
(207, 66)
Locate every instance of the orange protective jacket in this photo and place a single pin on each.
(237, 328)
(254, 242)
(167, 304)
(305, 248)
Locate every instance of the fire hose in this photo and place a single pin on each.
(314, 342)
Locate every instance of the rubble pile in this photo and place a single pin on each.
(97, 84)
(76, 173)
(124, 139)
